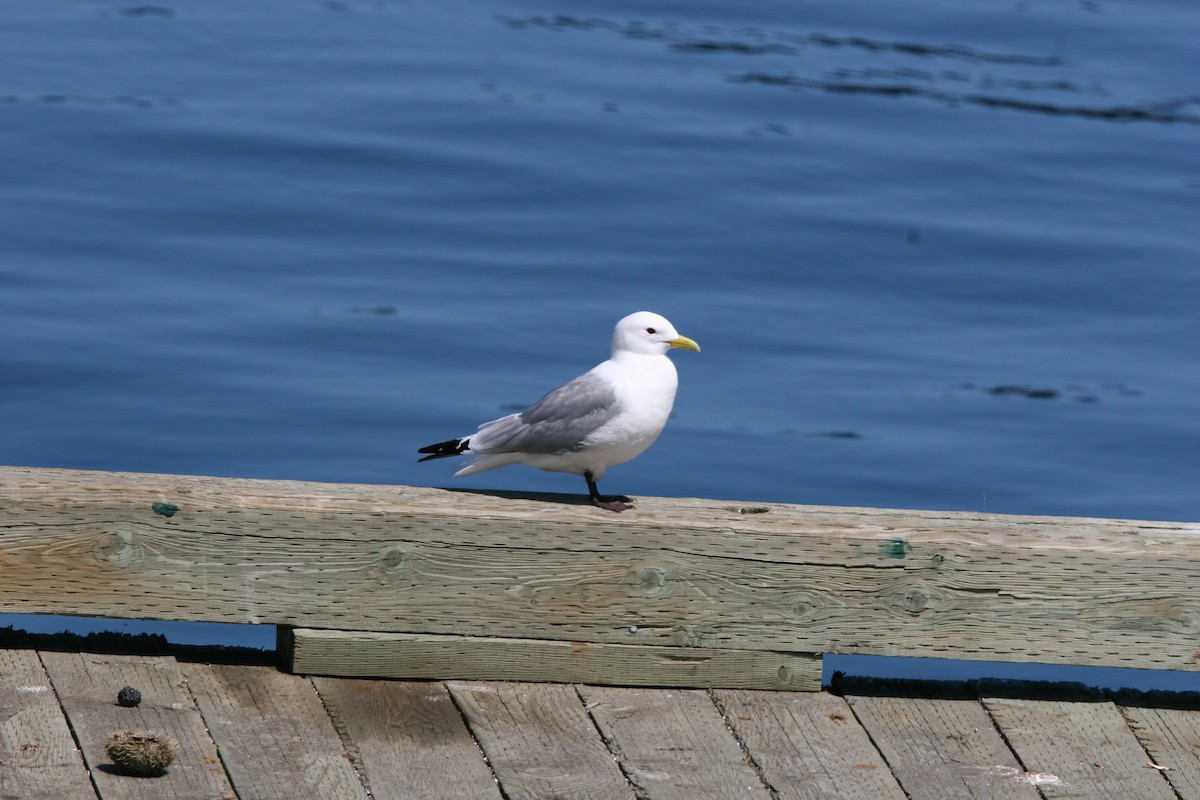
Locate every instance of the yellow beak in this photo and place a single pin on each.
(685, 343)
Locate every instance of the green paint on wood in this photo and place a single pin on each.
(750, 509)
(895, 548)
(166, 509)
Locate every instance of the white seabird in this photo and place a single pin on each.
(605, 417)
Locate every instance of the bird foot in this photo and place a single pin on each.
(618, 503)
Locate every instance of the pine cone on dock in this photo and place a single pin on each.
(141, 754)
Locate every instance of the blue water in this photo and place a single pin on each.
(941, 256)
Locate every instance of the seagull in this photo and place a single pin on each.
(605, 417)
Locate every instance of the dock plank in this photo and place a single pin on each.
(409, 739)
(278, 735)
(540, 741)
(273, 734)
(942, 749)
(38, 757)
(1088, 747)
(1172, 738)
(673, 745)
(808, 746)
(440, 657)
(87, 686)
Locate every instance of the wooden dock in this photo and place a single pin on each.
(466, 644)
(253, 732)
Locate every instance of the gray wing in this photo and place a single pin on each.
(558, 423)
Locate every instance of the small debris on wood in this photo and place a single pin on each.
(165, 509)
(142, 754)
(751, 509)
(129, 697)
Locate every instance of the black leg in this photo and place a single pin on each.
(617, 503)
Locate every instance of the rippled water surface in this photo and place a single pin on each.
(940, 256)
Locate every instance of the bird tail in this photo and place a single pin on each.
(450, 447)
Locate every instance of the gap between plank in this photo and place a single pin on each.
(882, 755)
(70, 725)
(1009, 745)
(1150, 759)
(614, 749)
(187, 687)
(348, 745)
(750, 759)
(487, 761)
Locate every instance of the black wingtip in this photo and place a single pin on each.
(450, 447)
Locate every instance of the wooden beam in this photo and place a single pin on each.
(433, 657)
(682, 573)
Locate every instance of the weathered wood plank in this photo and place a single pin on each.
(808, 746)
(1087, 746)
(38, 757)
(1172, 738)
(430, 656)
(678, 572)
(273, 734)
(409, 740)
(87, 687)
(944, 749)
(673, 745)
(540, 742)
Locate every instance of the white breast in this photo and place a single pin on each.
(645, 387)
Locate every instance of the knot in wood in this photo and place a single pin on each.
(392, 559)
(117, 548)
(649, 580)
(1186, 620)
(803, 605)
(916, 599)
(691, 636)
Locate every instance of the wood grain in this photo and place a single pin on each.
(944, 749)
(273, 734)
(38, 757)
(808, 746)
(681, 573)
(673, 745)
(1086, 746)
(540, 742)
(87, 686)
(409, 740)
(1172, 739)
(430, 656)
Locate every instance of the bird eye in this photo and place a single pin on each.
(651, 330)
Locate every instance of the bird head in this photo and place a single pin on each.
(646, 333)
